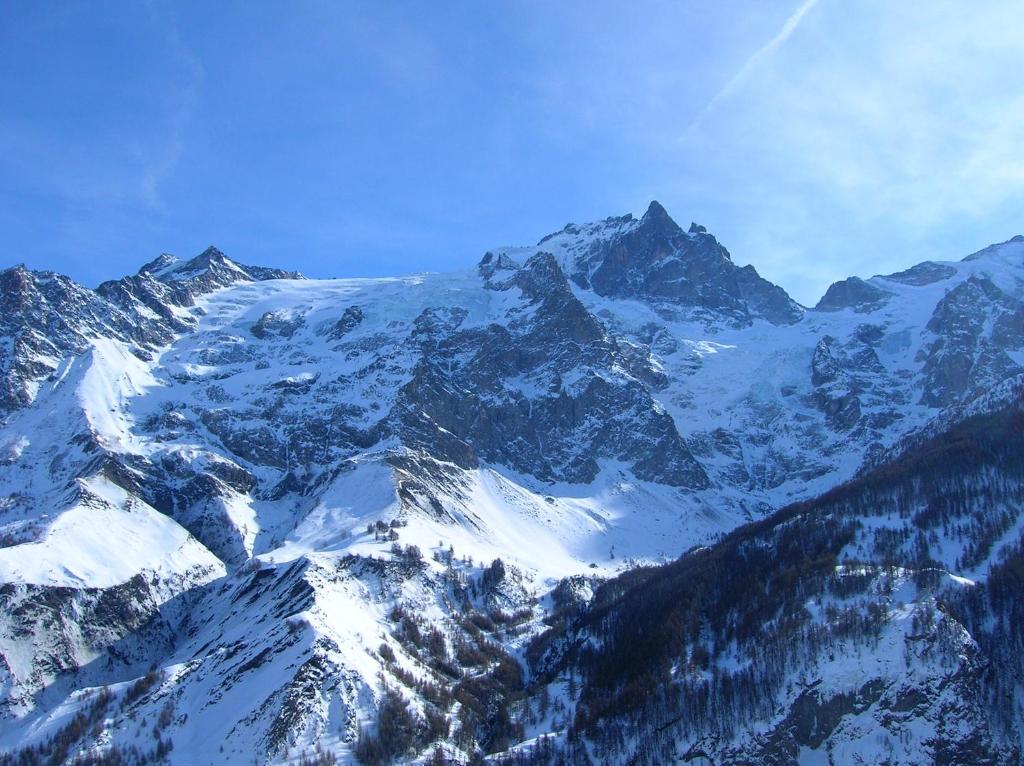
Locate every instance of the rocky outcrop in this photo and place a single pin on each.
(686, 271)
(922, 274)
(974, 325)
(545, 395)
(853, 293)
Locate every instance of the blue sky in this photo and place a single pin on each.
(815, 138)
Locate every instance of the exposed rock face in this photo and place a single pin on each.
(836, 392)
(276, 324)
(544, 395)
(923, 274)
(844, 375)
(45, 317)
(117, 628)
(974, 325)
(350, 319)
(654, 259)
(852, 293)
(951, 705)
(206, 272)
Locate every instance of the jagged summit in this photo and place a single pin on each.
(158, 264)
(657, 216)
(18, 268)
(493, 262)
(48, 316)
(652, 258)
(212, 252)
(212, 261)
(854, 293)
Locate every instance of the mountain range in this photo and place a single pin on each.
(608, 499)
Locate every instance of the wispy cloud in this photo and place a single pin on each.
(889, 136)
(751, 64)
(822, 138)
(160, 161)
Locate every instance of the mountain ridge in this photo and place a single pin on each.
(337, 491)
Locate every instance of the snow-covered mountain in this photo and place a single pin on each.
(251, 517)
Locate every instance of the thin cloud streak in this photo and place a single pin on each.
(762, 53)
(159, 165)
(824, 138)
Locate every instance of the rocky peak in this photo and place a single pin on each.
(658, 218)
(562, 314)
(853, 293)
(211, 254)
(493, 262)
(544, 284)
(158, 264)
(15, 283)
(684, 272)
(15, 274)
(210, 261)
(48, 316)
(209, 270)
(19, 280)
(922, 274)
(27, 294)
(508, 411)
(541, 277)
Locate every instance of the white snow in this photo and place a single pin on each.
(104, 539)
